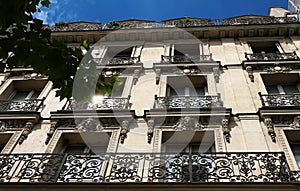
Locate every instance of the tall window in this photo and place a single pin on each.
(293, 138)
(265, 46)
(83, 143)
(4, 138)
(282, 83)
(188, 142)
(186, 86)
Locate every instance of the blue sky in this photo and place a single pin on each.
(112, 10)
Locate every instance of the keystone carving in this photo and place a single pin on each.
(188, 123)
(89, 125)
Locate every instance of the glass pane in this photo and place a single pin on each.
(75, 149)
(35, 95)
(272, 89)
(177, 92)
(20, 95)
(296, 151)
(290, 89)
(98, 149)
(200, 91)
(174, 148)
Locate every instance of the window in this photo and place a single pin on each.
(186, 50)
(186, 86)
(118, 52)
(19, 95)
(188, 142)
(265, 47)
(83, 143)
(293, 138)
(22, 95)
(185, 167)
(282, 83)
(4, 138)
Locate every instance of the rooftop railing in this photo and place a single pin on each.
(178, 23)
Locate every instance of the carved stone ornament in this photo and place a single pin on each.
(226, 130)
(157, 75)
(216, 72)
(150, 130)
(89, 125)
(250, 73)
(296, 122)
(277, 69)
(53, 127)
(124, 131)
(136, 75)
(26, 131)
(2, 126)
(271, 130)
(188, 123)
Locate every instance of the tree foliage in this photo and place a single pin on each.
(24, 41)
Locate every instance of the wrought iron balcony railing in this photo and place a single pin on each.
(180, 102)
(186, 59)
(103, 104)
(271, 56)
(147, 167)
(118, 60)
(22, 105)
(279, 100)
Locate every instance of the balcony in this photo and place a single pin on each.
(118, 61)
(147, 167)
(279, 100)
(186, 59)
(103, 104)
(28, 105)
(271, 56)
(182, 102)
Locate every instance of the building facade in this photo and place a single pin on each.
(294, 5)
(201, 104)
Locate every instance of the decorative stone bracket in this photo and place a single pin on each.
(151, 125)
(51, 131)
(250, 73)
(157, 76)
(271, 130)
(226, 130)
(216, 72)
(136, 75)
(18, 124)
(124, 131)
(26, 131)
